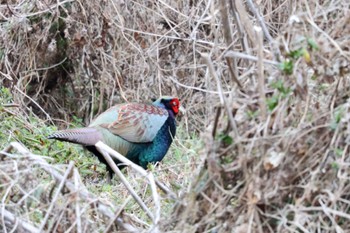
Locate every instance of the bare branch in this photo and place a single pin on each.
(220, 90)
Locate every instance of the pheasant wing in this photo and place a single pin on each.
(137, 123)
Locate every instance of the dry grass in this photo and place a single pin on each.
(264, 84)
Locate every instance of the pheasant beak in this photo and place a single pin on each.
(182, 110)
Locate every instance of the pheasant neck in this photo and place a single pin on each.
(157, 149)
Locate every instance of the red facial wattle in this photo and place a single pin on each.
(175, 105)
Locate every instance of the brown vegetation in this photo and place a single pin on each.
(265, 84)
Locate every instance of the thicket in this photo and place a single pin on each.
(262, 145)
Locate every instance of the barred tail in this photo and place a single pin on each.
(83, 136)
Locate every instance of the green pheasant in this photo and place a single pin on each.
(141, 132)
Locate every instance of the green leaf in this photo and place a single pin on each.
(228, 140)
(279, 85)
(338, 152)
(287, 67)
(312, 44)
(335, 165)
(272, 102)
(295, 54)
(252, 114)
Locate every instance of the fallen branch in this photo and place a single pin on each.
(14, 220)
(106, 152)
(126, 183)
(80, 190)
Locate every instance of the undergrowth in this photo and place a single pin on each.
(264, 141)
(175, 171)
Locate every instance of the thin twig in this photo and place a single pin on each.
(165, 189)
(134, 166)
(12, 105)
(105, 153)
(84, 194)
(263, 26)
(232, 67)
(231, 62)
(310, 18)
(222, 97)
(249, 57)
(239, 27)
(50, 67)
(246, 21)
(20, 223)
(53, 202)
(196, 88)
(261, 78)
(119, 211)
(36, 104)
(77, 206)
(49, 8)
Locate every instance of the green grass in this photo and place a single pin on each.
(32, 132)
(175, 171)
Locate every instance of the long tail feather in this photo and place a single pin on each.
(83, 136)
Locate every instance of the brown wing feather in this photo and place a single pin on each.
(137, 122)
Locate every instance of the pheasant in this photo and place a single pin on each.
(141, 132)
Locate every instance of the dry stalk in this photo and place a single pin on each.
(73, 188)
(232, 63)
(64, 179)
(249, 57)
(149, 49)
(126, 183)
(246, 22)
(107, 151)
(34, 102)
(261, 78)
(134, 166)
(314, 25)
(222, 96)
(264, 28)
(17, 223)
(116, 216)
(77, 206)
(242, 36)
(197, 88)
